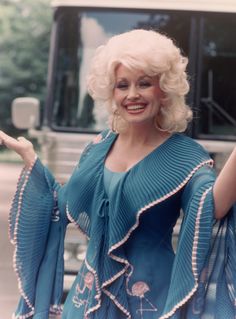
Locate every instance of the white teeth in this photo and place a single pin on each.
(135, 107)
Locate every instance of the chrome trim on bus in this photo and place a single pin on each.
(187, 5)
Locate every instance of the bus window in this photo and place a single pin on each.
(79, 34)
(218, 77)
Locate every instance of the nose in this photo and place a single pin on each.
(133, 93)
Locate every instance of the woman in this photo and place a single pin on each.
(126, 195)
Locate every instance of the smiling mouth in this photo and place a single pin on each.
(136, 107)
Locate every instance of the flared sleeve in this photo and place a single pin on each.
(203, 279)
(37, 229)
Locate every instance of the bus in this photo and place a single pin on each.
(203, 29)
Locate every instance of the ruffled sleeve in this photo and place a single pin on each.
(37, 227)
(37, 230)
(203, 279)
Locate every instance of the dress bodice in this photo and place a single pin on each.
(110, 180)
(152, 239)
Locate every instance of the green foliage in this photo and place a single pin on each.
(24, 46)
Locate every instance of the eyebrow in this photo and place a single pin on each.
(140, 78)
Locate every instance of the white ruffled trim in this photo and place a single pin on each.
(14, 199)
(141, 211)
(113, 298)
(26, 316)
(27, 173)
(120, 273)
(98, 296)
(121, 242)
(55, 309)
(194, 258)
(157, 201)
(73, 221)
(196, 234)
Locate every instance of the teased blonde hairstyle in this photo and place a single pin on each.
(154, 54)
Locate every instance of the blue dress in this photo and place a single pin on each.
(130, 269)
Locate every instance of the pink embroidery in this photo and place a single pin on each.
(88, 280)
(88, 283)
(139, 289)
(126, 237)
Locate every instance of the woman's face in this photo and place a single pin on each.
(136, 95)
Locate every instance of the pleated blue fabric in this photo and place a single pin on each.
(130, 269)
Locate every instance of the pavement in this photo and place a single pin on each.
(9, 294)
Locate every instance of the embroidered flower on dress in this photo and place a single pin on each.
(139, 289)
(88, 280)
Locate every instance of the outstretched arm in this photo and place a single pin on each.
(21, 146)
(224, 190)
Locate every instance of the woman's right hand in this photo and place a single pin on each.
(21, 146)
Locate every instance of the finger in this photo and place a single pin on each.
(1, 138)
(7, 140)
(21, 138)
(23, 142)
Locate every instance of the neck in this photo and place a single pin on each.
(137, 134)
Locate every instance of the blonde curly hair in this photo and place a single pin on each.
(156, 55)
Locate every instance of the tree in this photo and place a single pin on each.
(24, 45)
